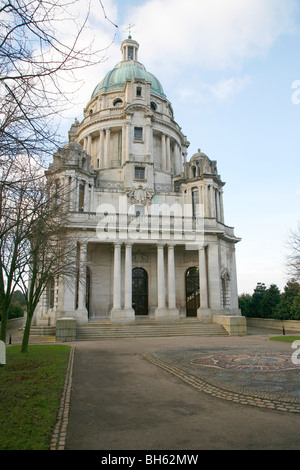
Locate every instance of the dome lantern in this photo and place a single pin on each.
(128, 69)
(129, 49)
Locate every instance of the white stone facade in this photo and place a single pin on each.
(150, 227)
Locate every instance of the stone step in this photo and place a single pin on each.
(96, 331)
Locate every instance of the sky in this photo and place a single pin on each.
(231, 70)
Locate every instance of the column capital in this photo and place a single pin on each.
(171, 245)
(160, 245)
(202, 247)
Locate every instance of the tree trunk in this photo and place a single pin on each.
(25, 341)
(4, 317)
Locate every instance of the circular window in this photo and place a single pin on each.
(117, 103)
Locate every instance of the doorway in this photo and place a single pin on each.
(140, 291)
(192, 292)
(88, 291)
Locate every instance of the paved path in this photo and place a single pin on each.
(122, 400)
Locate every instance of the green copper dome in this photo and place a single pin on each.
(128, 70)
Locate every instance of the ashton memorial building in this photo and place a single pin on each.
(151, 238)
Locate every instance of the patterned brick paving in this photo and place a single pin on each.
(197, 371)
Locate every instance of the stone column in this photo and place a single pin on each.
(118, 314)
(117, 277)
(205, 200)
(178, 162)
(161, 300)
(217, 194)
(107, 148)
(212, 201)
(81, 313)
(221, 208)
(173, 312)
(185, 169)
(77, 182)
(72, 190)
(101, 149)
(128, 310)
(92, 201)
(128, 138)
(203, 313)
(123, 143)
(148, 139)
(89, 145)
(162, 313)
(168, 153)
(82, 277)
(163, 152)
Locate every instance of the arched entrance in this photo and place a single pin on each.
(192, 291)
(140, 291)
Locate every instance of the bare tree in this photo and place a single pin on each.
(38, 57)
(35, 246)
(50, 250)
(39, 51)
(293, 259)
(17, 214)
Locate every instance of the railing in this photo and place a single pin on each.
(165, 188)
(110, 185)
(118, 186)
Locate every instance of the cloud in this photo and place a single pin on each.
(96, 40)
(221, 91)
(214, 34)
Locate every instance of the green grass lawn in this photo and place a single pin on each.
(31, 386)
(285, 339)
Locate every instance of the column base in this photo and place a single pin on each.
(167, 315)
(123, 316)
(80, 315)
(204, 315)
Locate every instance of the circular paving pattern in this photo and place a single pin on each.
(249, 361)
(250, 376)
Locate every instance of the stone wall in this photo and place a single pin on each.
(15, 323)
(289, 325)
(65, 329)
(234, 325)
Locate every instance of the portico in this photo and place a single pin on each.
(114, 269)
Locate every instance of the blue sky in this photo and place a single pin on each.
(228, 68)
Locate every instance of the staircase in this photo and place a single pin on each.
(147, 328)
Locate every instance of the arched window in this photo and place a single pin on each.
(88, 290)
(225, 283)
(140, 291)
(51, 293)
(118, 103)
(192, 290)
(81, 198)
